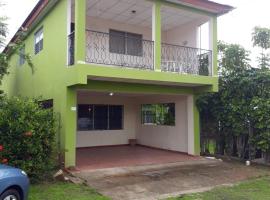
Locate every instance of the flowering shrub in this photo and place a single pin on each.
(27, 136)
(2, 159)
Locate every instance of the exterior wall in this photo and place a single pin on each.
(48, 72)
(102, 25)
(185, 33)
(108, 137)
(166, 137)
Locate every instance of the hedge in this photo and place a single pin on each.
(27, 136)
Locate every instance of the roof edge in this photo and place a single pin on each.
(206, 5)
(31, 19)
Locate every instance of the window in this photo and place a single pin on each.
(158, 114)
(22, 56)
(85, 117)
(125, 43)
(100, 117)
(38, 40)
(115, 117)
(46, 104)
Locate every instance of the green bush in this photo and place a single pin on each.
(27, 134)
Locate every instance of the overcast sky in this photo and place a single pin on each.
(235, 27)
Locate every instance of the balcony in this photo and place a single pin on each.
(142, 41)
(186, 60)
(139, 54)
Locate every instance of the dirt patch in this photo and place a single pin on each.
(174, 179)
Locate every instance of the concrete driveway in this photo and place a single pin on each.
(165, 180)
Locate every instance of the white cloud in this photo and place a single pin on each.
(16, 11)
(237, 26)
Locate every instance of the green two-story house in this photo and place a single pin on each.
(120, 70)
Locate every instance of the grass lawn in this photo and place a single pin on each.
(63, 191)
(256, 189)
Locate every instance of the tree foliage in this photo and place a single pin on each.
(261, 38)
(238, 115)
(233, 58)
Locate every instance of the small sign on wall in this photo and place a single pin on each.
(73, 108)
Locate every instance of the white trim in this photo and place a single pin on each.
(190, 119)
(81, 62)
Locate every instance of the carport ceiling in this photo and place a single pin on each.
(138, 13)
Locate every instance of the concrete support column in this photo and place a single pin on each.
(70, 127)
(193, 126)
(156, 34)
(80, 24)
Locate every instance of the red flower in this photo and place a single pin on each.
(28, 134)
(4, 161)
(1, 148)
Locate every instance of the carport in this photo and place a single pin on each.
(160, 126)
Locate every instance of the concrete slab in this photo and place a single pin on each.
(171, 179)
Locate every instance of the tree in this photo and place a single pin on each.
(237, 117)
(261, 38)
(3, 34)
(3, 30)
(233, 58)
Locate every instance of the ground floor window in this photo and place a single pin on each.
(100, 117)
(158, 114)
(46, 104)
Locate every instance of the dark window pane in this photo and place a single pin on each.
(40, 45)
(100, 117)
(149, 114)
(160, 114)
(46, 104)
(117, 42)
(116, 117)
(72, 27)
(36, 48)
(21, 56)
(85, 117)
(134, 44)
(169, 114)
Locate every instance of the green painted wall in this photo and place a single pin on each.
(157, 35)
(53, 79)
(80, 20)
(51, 75)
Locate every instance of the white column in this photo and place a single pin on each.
(156, 34)
(190, 119)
